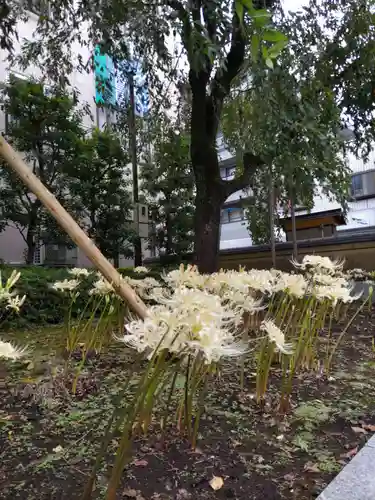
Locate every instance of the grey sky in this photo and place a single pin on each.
(293, 4)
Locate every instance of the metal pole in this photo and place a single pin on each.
(133, 153)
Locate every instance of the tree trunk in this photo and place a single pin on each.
(207, 230)
(168, 229)
(116, 261)
(30, 241)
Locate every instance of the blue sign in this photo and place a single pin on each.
(112, 83)
(141, 94)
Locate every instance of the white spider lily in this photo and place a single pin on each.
(15, 302)
(141, 270)
(189, 321)
(277, 336)
(66, 285)
(244, 281)
(9, 351)
(293, 284)
(328, 280)
(188, 276)
(101, 287)
(319, 263)
(241, 302)
(336, 294)
(215, 344)
(79, 272)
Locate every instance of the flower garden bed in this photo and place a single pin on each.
(49, 438)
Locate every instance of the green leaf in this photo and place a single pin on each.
(255, 43)
(277, 48)
(239, 10)
(260, 17)
(248, 4)
(274, 36)
(269, 63)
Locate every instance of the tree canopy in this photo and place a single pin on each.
(210, 44)
(99, 187)
(168, 185)
(45, 125)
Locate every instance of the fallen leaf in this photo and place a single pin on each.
(129, 493)
(311, 467)
(216, 483)
(140, 463)
(359, 430)
(369, 427)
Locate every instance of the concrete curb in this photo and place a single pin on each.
(356, 481)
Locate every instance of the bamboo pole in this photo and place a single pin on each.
(16, 163)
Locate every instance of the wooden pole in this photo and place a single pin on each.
(16, 163)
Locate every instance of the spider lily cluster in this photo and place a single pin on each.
(10, 301)
(197, 323)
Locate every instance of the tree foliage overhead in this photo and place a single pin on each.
(214, 36)
(335, 42)
(46, 128)
(168, 187)
(292, 119)
(331, 43)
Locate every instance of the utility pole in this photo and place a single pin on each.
(133, 153)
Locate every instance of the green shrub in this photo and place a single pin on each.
(43, 305)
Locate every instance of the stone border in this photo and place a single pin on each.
(356, 481)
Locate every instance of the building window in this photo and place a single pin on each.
(357, 185)
(232, 215)
(363, 185)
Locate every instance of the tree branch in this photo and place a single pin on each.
(250, 167)
(210, 20)
(234, 60)
(187, 28)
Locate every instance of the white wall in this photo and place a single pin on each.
(361, 213)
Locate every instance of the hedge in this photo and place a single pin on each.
(43, 305)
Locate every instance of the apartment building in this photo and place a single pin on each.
(12, 244)
(359, 219)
